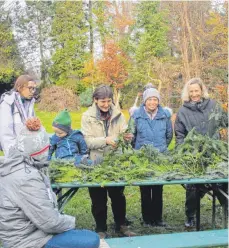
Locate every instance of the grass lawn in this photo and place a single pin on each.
(173, 213)
(48, 117)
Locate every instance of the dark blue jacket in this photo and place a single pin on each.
(199, 116)
(157, 132)
(71, 146)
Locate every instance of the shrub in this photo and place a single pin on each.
(57, 98)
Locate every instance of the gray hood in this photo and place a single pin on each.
(12, 163)
(28, 209)
(16, 161)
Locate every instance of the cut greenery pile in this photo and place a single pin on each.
(198, 156)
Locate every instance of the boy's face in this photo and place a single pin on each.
(60, 133)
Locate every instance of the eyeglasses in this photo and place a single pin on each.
(31, 88)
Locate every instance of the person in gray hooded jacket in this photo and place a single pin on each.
(29, 217)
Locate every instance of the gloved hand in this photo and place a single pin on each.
(86, 161)
(97, 161)
(83, 162)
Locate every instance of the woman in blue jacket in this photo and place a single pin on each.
(153, 127)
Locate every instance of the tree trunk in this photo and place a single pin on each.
(196, 69)
(43, 66)
(184, 46)
(91, 28)
(117, 95)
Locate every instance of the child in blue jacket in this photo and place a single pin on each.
(68, 143)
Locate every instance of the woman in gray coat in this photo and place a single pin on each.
(196, 112)
(29, 217)
(16, 106)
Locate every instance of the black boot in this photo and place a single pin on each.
(190, 223)
(159, 223)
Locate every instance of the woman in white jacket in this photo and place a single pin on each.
(16, 106)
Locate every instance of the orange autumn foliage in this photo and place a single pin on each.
(113, 65)
(221, 92)
(222, 96)
(92, 74)
(122, 16)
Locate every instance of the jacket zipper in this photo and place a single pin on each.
(69, 148)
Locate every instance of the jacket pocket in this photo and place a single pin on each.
(162, 126)
(17, 117)
(141, 128)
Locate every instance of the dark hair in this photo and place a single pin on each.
(103, 91)
(22, 81)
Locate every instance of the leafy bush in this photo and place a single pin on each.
(57, 98)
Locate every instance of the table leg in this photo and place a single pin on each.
(197, 207)
(224, 202)
(224, 216)
(58, 192)
(225, 208)
(213, 210)
(66, 197)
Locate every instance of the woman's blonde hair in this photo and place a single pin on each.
(185, 93)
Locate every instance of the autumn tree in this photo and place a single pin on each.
(215, 58)
(92, 75)
(114, 65)
(187, 21)
(122, 18)
(111, 21)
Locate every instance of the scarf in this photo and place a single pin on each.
(19, 104)
(105, 117)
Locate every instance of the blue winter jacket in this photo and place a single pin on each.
(71, 146)
(157, 132)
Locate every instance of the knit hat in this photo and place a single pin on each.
(151, 93)
(33, 140)
(63, 121)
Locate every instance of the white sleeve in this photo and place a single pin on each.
(7, 136)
